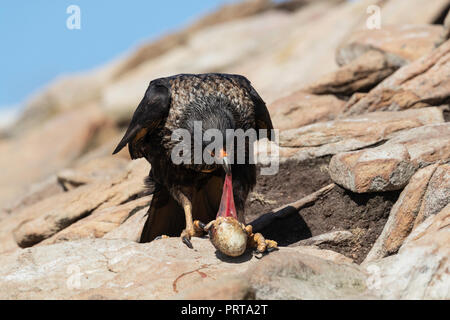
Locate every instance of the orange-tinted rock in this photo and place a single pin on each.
(391, 165)
(400, 43)
(422, 83)
(402, 216)
(301, 108)
(352, 133)
(54, 145)
(363, 73)
(420, 270)
(46, 218)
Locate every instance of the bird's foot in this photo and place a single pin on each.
(195, 231)
(163, 236)
(199, 227)
(257, 240)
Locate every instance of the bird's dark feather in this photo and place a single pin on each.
(220, 101)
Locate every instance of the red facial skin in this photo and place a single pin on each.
(227, 207)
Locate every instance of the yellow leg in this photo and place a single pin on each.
(191, 229)
(256, 240)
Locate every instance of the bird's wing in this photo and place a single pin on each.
(262, 116)
(152, 109)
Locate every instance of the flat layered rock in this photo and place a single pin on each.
(100, 222)
(420, 269)
(361, 74)
(287, 275)
(302, 108)
(34, 156)
(35, 193)
(327, 138)
(369, 56)
(391, 165)
(445, 35)
(333, 237)
(131, 228)
(101, 168)
(437, 195)
(424, 82)
(402, 216)
(44, 219)
(400, 44)
(122, 269)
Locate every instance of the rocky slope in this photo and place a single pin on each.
(360, 204)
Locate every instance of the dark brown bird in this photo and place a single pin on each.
(184, 192)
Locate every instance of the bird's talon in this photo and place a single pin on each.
(163, 236)
(187, 242)
(258, 255)
(199, 227)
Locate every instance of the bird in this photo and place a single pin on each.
(187, 192)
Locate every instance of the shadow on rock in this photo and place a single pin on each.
(287, 229)
(248, 255)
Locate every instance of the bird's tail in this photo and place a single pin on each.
(165, 217)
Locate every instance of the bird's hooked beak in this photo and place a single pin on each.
(223, 156)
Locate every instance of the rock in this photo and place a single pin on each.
(287, 275)
(369, 56)
(131, 228)
(95, 170)
(226, 288)
(45, 218)
(437, 195)
(424, 82)
(333, 237)
(352, 133)
(37, 192)
(104, 151)
(61, 95)
(399, 12)
(326, 254)
(36, 155)
(361, 74)
(100, 222)
(249, 286)
(302, 108)
(122, 269)
(399, 44)
(445, 35)
(420, 269)
(402, 216)
(426, 144)
(376, 169)
(391, 165)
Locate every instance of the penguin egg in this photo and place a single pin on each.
(228, 236)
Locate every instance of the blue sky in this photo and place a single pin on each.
(36, 45)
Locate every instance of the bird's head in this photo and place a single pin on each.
(210, 123)
(218, 133)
